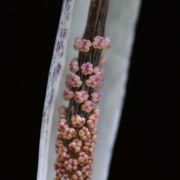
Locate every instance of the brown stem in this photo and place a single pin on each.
(96, 19)
(95, 27)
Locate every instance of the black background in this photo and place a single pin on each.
(146, 147)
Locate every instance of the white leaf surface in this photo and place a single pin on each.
(120, 26)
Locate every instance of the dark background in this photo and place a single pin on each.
(146, 147)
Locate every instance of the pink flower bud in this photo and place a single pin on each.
(68, 80)
(75, 146)
(95, 81)
(81, 96)
(76, 81)
(62, 125)
(98, 42)
(88, 146)
(62, 111)
(84, 133)
(92, 121)
(73, 80)
(68, 94)
(98, 71)
(87, 68)
(100, 82)
(83, 158)
(102, 61)
(71, 164)
(69, 133)
(82, 45)
(107, 43)
(77, 121)
(74, 66)
(101, 43)
(92, 81)
(97, 112)
(95, 97)
(88, 106)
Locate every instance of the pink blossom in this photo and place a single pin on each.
(97, 112)
(88, 106)
(62, 111)
(94, 133)
(76, 81)
(58, 165)
(88, 146)
(71, 164)
(84, 133)
(68, 80)
(95, 81)
(92, 121)
(61, 149)
(62, 125)
(92, 81)
(74, 66)
(62, 175)
(87, 169)
(107, 43)
(78, 175)
(77, 121)
(93, 117)
(87, 68)
(73, 80)
(101, 43)
(69, 133)
(102, 61)
(83, 158)
(68, 94)
(75, 145)
(100, 81)
(82, 45)
(98, 42)
(98, 71)
(81, 96)
(95, 97)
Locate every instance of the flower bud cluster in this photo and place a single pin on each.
(77, 124)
